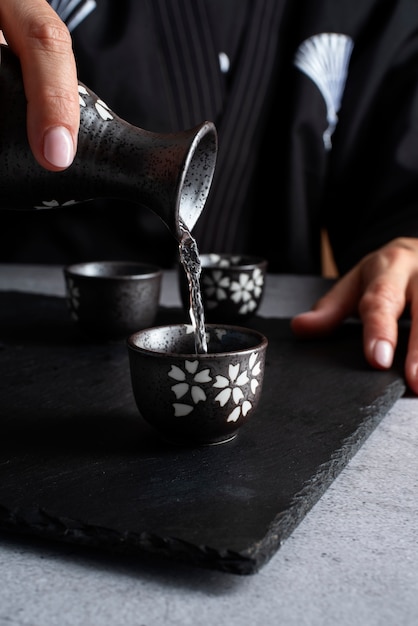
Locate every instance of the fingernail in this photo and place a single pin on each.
(58, 146)
(383, 353)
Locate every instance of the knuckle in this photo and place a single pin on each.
(381, 296)
(63, 102)
(62, 92)
(386, 257)
(394, 254)
(51, 35)
(405, 243)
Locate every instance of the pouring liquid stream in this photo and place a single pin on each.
(189, 257)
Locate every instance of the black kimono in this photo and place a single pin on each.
(316, 107)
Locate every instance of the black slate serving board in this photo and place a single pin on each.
(78, 464)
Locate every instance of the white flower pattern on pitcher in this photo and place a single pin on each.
(103, 110)
(82, 91)
(105, 113)
(100, 106)
(53, 204)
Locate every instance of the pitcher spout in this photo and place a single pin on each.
(195, 178)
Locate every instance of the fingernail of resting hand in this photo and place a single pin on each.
(383, 353)
(58, 147)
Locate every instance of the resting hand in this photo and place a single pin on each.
(377, 289)
(43, 44)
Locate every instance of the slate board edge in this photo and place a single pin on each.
(286, 522)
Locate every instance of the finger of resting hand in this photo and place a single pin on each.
(43, 43)
(391, 279)
(331, 309)
(380, 307)
(411, 362)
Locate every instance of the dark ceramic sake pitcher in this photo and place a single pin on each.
(170, 173)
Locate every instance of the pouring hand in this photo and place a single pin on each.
(377, 289)
(43, 44)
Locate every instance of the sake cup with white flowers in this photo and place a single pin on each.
(197, 398)
(231, 286)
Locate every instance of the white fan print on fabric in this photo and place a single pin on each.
(325, 59)
(73, 12)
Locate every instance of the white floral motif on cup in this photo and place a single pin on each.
(231, 387)
(243, 291)
(188, 381)
(215, 286)
(190, 378)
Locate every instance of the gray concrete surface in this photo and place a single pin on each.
(353, 561)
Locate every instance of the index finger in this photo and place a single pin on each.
(43, 44)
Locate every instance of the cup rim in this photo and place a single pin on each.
(248, 261)
(260, 343)
(141, 270)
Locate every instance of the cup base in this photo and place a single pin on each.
(186, 442)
